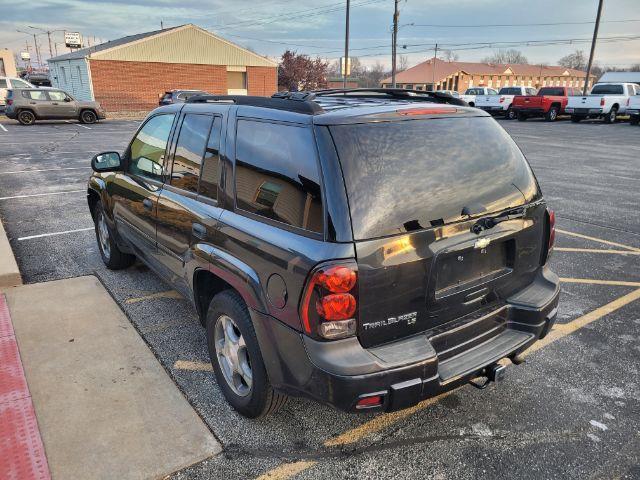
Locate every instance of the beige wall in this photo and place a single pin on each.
(7, 63)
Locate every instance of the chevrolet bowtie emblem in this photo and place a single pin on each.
(482, 243)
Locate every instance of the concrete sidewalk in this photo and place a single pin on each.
(105, 407)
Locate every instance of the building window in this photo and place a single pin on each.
(237, 80)
(64, 74)
(79, 75)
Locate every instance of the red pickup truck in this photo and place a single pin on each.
(548, 103)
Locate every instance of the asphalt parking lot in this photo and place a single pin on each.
(571, 411)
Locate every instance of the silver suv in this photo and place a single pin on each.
(30, 104)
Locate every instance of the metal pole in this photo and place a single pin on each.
(433, 69)
(394, 44)
(593, 48)
(50, 48)
(35, 42)
(346, 48)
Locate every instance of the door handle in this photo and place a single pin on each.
(55, 103)
(198, 230)
(148, 204)
(32, 103)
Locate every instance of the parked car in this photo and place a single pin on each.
(501, 104)
(178, 96)
(30, 104)
(453, 93)
(633, 109)
(7, 83)
(548, 103)
(471, 93)
(606, 101)
(366, 255)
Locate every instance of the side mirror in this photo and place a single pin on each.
(67, 99)
(106, 162)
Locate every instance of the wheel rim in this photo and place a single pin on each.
(233, 356)
(103, 237)
(510, 114)
(553, 114)
(612, 115)
(88, 117)
(25, 117)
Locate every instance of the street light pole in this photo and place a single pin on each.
(394, 44)
(346, 48)
(593, 48)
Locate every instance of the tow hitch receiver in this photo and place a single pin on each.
(492, 373)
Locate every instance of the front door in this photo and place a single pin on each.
(61, 105)
(187, 209)
(135, 192)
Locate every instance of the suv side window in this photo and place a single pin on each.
(20, 84)
(276, 173)
(211, 163)
(34, 94)
(190, 149)
(148, 147)
(56, 96)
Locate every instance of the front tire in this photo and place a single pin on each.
(236, 358)
(552, 114)
(26, 117)
(88, 116)
(112, 256)
(612, 116)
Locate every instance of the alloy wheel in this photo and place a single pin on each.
(103, 236)
(233, 356)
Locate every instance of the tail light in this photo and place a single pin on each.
(501, 99)
(330, 301)
(602, 102)
(550, 232)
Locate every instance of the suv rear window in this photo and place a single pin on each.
(408, 175)
(510, 91)
(607, 90)
(277, 173)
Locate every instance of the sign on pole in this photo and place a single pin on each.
(342, 67)
(73, 39)
(25, 56)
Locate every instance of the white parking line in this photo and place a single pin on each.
(46, 170)
(77, 124)
(54, 233)
(2, 127)
(42, 194)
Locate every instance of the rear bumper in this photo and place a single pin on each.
(492, 108)
(530, 112)
(405, 372)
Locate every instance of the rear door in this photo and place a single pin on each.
(415, 189)
(188, 209)
(61, 105)
(135, 192)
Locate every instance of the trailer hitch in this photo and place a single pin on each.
(492, 373)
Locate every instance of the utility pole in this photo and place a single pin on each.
(593, 48)
(346, 48)
(394, 43)
(433, 69)
(161, 25)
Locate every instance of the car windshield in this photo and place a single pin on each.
(408, 175)
(607, 90)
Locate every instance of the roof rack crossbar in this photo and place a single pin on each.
(301, 105)
(405, 94)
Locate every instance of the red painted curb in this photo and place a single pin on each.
(22, 455)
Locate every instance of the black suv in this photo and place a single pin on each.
(366, 248)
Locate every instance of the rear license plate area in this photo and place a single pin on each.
(464, 269)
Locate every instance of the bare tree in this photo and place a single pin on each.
(403, 63)
(576, 60)
(506, 56)
(448, 55)
(297, 72)
(374, 75)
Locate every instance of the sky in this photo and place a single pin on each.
(316, 28)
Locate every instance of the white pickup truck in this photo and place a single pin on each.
(633, 110)
(606, 100)
(500, 104)
(471, 94)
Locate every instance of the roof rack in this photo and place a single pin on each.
(396, 93)
(300, 105)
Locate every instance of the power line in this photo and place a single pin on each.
(438, 25)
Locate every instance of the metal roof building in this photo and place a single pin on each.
(129, 74)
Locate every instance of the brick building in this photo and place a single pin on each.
(129, 74)
(436, 74)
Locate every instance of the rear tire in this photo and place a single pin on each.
(576, 118)
(26, 117)
(112, 256)
(612, 116)
(510, 115)
(236, 358)
(88, 116)
(552, 114)
(522, 117)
